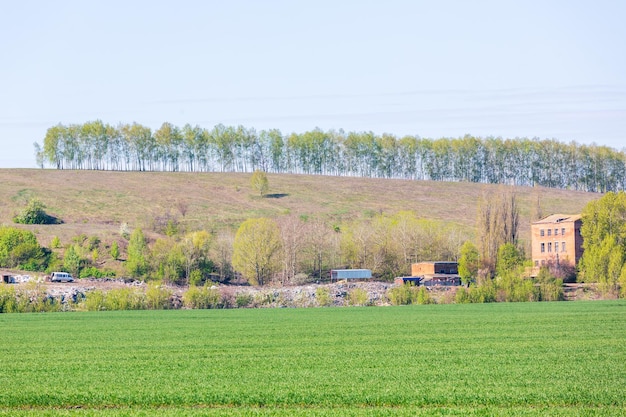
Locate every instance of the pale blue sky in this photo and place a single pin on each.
(547, 69)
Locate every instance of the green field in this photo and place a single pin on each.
(487, 359)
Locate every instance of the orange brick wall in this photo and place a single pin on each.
(553, 242)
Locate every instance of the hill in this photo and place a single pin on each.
(98, 202)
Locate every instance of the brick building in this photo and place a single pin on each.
(556, 240)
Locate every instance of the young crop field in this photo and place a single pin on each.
(510, 359)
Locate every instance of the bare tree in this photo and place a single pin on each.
(498, 223)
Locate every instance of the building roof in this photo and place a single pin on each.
(559, 218)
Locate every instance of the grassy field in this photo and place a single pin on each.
(493, 359)
(96, 202)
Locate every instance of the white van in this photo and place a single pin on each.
(61, 277)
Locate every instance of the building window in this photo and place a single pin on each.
(562, 246)
(563, 232)
(541, 232)
(543, 262)
(549, 232)
(536, 263)
(549, 247)
(556, 246)
(543, 247)
(556, 232)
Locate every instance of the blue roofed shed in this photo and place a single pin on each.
(338, 274)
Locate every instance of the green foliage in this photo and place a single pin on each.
(511, 287)
(8, 299)
(34, 213)
(203, 297)
(55, 243)
(469, 263)
(115, 250)
(136, 263)
(19, 249)
(462, 296)
(484, 293)
(322, 296)
(509, 259)
(93, 243)
(158, 296)
(256, 250)
(357, 297)
(93, 272)
(604, 241)
(31, 298)
(388, 244)
(259, 182)
(243, 299)
(115, 299)
(423, 296)
(167, 261)
(73, 261)
(195, 278)
(550, 287)
(365, 154)
(401, 295)
(409, 294)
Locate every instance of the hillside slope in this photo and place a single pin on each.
(97, 202)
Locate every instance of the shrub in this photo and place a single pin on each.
(19, 249)
(125, 299)
(158, 297)
(94, 301)
(422, 296)
(195, 278)
(115, 250)
(55, 243)
(243, 299)
(357, 297)
(34, 213)
(322, 295)
(462, 296)
(202, 297)
(94, 243)
(400, 295)
(93, 272)
(8, 299)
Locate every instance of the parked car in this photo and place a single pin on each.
(61, 277)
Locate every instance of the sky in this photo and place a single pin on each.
(545, 69)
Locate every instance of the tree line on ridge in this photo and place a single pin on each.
(520, 161)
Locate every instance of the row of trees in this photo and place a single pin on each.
(292, 250)
(99, 146)
(604, 242)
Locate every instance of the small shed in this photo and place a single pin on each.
(350, 274)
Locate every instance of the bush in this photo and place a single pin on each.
(400, 295)
(322, 295)
(243, 299)
(94, 301)
(196, 278)
(8, 299)
(117, 299)
(357, 297)
(34, 213)
(462, 296)
(422, 296)
(55, 243)
(19, 249)
(485, 293)
(202, 297)
(158, 297)
(93, 272)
